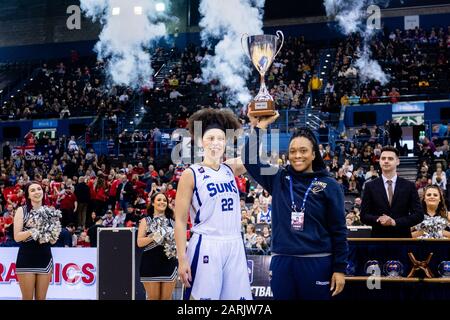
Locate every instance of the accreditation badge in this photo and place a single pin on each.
(297, 220)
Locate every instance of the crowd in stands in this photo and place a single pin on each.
(416, 62)
(434, 161)
(85, 186)
(63, 90)
(183, 90)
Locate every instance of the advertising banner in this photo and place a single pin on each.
(74, 274)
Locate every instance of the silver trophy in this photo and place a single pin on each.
(393, 268)
(262, 50)
(444, 269)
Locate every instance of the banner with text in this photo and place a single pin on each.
(74, 274)
(258, 270)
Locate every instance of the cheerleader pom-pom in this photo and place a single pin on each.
(34, 233)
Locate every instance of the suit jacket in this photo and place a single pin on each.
(406, 208)
(129, 192)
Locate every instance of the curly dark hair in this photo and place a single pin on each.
(224, 118)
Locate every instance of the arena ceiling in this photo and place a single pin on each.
(274, 9)
(284, 9)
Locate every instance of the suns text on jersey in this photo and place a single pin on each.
(215, 188)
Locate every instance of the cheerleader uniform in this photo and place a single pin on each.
(155, 266)
(33, 257)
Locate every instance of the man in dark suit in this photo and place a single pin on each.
(83, 195)
(390, 204)
(125, 193)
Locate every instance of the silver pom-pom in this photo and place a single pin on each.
(170, 249)
(433, 227)
(157, 237)
(34, 234)
(45, 224)
(163, 234)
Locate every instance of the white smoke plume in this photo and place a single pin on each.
(226, 21)
(130, 30)
(350, 15)
(370, 69)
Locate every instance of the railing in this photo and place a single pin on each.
(402, 98)
(159, 70)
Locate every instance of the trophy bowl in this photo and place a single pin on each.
(262, 50)
(372, 268)
(393, 268)
(444, 269)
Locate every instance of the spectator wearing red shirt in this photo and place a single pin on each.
(46, 201)
(83, 240)
(138, 186)
(90, 184)
(99, 195)
(394, 95)
(241, 182)
(113, 191)
(68, 206)
(16, 198)
(55, 189)
(8, 192)
(171, 193)
(30, 139)
(6, 228)
(139, 170)
(153, 172)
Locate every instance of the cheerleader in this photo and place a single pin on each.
(436, 219)
(34, 263)
(158, 271)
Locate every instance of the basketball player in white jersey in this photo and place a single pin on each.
(214, 266)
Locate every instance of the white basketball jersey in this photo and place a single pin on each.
(215, 208)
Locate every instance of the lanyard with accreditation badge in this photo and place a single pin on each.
(298, 218)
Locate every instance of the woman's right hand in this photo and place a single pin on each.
(157, 237)
(184, 270)
(34, 233)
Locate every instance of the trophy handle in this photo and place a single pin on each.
(279, 34)
(245, 36)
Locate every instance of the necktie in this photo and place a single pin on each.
(390, 192)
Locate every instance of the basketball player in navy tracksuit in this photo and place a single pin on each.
(309, 234)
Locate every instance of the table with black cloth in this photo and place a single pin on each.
(418, 287)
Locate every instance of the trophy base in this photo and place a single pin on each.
(262, 108)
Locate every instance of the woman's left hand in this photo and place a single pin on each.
(263, 122)
(337, 283)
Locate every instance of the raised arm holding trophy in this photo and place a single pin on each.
(262, 50)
